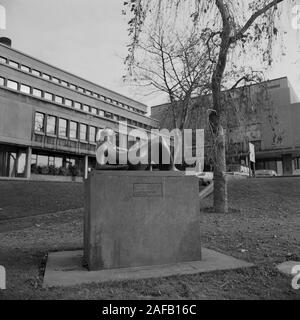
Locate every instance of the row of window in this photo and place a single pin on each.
(55, 161)
(297, 163)
(67, 102)
(68, 129)
(67, 84)
(63, 128)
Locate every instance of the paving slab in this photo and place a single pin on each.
(65, 269)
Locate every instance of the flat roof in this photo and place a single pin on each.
(249, 85)
(71, 74)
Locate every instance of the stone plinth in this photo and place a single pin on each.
(140, 218)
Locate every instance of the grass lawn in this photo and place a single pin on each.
(263, 227)
(24, 198)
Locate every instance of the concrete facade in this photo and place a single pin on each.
(139, 218)
(30, 87)
(281, 155)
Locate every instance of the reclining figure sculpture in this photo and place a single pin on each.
(108, 155)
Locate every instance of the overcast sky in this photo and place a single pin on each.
(89, 38)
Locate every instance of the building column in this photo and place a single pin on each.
(287, 162)
(28, 162)
(86, 167)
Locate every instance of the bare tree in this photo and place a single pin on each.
(173, 64)
(231, 28)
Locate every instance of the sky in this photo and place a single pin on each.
(89, 38)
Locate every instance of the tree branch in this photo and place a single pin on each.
(252, 19)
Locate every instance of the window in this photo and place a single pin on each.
(58, 162)
(12, 84)
(46, 76)
(35, 72)
(56, 80)
(64, 83)
(73, 129)
(92, 134)
(77, 105)
(3, 60)
(13, 64)
(80, 89)
(297, 163)
(72, 86)
(37, 92)
(25, 89)
(101, 113)
(51, 161)
(51, 125)
(48, 96)
(96, 95)
(83, 132)
(108, 115)
(88, 92)
(25, 68)
(1, 81)
(62, 127)
(42, 160)
(70, 162)
(116, 117)
(58, 99)
(94, 111)
(39, 125)
(68, 102)
(34, 159)
(86, 108)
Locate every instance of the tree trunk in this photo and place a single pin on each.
(220, 183)
(215, 117)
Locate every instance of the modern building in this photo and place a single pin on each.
(49, 118)
(281, 153)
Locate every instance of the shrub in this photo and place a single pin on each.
(44, 170)
(75, 171)
(63, 171)
(34, 169)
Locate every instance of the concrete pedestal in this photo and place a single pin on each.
(140, 218)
